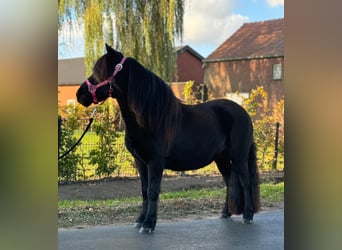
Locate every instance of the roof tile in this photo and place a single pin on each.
(253, 40)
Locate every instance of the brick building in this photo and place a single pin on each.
(253, 56)
(189, 67)
(71, 73)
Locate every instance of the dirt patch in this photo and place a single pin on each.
(170, 210)
(131, 187)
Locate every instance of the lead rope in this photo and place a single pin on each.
(91, 118)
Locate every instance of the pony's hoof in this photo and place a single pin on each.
(144, 230)
(247, 221)
(137, 225)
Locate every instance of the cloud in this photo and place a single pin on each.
(275, 3)
(210, 22)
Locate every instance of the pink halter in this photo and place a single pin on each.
(92, 88)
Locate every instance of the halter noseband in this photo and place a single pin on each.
(92, 88)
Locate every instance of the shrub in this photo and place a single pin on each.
(264, 122)
(67, 166)
(188, 93)
(106, 127)
(194, 94)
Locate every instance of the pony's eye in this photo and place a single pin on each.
(93, 80)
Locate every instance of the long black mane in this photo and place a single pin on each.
(149, 98)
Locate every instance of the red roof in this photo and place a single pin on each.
(253, 40)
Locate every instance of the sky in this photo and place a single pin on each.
(207, 24)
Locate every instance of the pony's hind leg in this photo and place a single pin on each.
(224, 166)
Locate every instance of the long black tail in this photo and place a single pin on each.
(236, 198)
(254, 177)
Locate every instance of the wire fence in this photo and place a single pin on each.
(82, 167)
(102, 152)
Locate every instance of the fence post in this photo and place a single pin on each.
(276, 142)
(204, 92)
(59, 133)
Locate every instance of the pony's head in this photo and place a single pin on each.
(102, 84)
(148, 99)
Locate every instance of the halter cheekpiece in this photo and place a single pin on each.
(92, 88)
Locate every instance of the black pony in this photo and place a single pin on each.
(163, 133)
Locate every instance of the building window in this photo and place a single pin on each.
(277, 71)
(237, 97)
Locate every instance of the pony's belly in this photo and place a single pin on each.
(194, 155)
(189, 164)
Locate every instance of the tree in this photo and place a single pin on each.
(143, 29)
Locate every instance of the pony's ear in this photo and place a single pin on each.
(109, 49)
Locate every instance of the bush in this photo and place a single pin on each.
(67, 166)
(194, 94)
(106, 127)
(264, 122)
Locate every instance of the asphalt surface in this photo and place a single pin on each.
(267, 232)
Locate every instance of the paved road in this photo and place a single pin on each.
(267, 232)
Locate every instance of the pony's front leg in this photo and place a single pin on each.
(143, 173)
(155, 172)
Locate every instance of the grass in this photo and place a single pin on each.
(95, 203)
(272, 192)
(268, 192)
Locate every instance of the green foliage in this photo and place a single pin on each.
(67, 166)
(194, 94)
(145, 30)
(264, 123)
(187, 92)
(93, 21)
(102, 151)
(257, 103)
(278, 114)
(106, 128)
